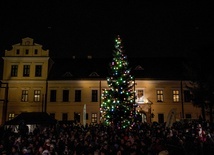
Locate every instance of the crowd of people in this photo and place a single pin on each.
(187, 138)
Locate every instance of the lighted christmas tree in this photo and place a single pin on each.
(117, 106)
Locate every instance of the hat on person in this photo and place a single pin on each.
(45, 152)
(164, 152)
(24, 150)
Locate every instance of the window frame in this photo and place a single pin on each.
(187, 96)
(141, 99)
(26, 70)
(24, 97)
(94, 117)
(53, 94)
(11, 116)
(160, 96)
(94, 95)
(78, 95)
(17, 51)
(36, 51)
(65, 97)
(37, 96)
(38, 70)
(14, 71)
(26, 51)
(64, 116)
(176, 95)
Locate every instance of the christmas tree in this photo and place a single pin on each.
(117, 106)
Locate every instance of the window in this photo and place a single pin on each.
(175, 95)
(14, 70)
(11, 116)
(76, 117)
(94, 95)
(36, 51)
(17, 51)
(37, 95)
(77, 95)
(65, 97)
(160, 118)
(64, 116)
(53, 96)
(26, 70)
(187, 96)
(38, 70)
(24, 96)
(139, 96)
(26, 51)
(94, 118)
(159, 95)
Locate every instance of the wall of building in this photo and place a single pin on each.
(19, 83)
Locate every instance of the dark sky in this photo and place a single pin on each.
(148, 29)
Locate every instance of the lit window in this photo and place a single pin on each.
(11, 116)
(37, 95)
(24, 96)
(159, 95)
(94, 118)
(14, 70)
(140, 96)
(175, 95)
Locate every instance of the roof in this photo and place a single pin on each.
(78, 68)
(94, 68)
(156, 68)
(41, 118)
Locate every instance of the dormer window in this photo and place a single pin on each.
(36, 51)
(17, 51)
(26, 51)
(27, 43)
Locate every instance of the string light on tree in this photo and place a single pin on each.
(117, 106)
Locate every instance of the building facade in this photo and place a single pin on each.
(32, 83)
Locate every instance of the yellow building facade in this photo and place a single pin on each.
(27, 86)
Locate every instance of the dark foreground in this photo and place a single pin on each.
(187, 138)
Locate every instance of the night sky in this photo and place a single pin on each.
(147, 28)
